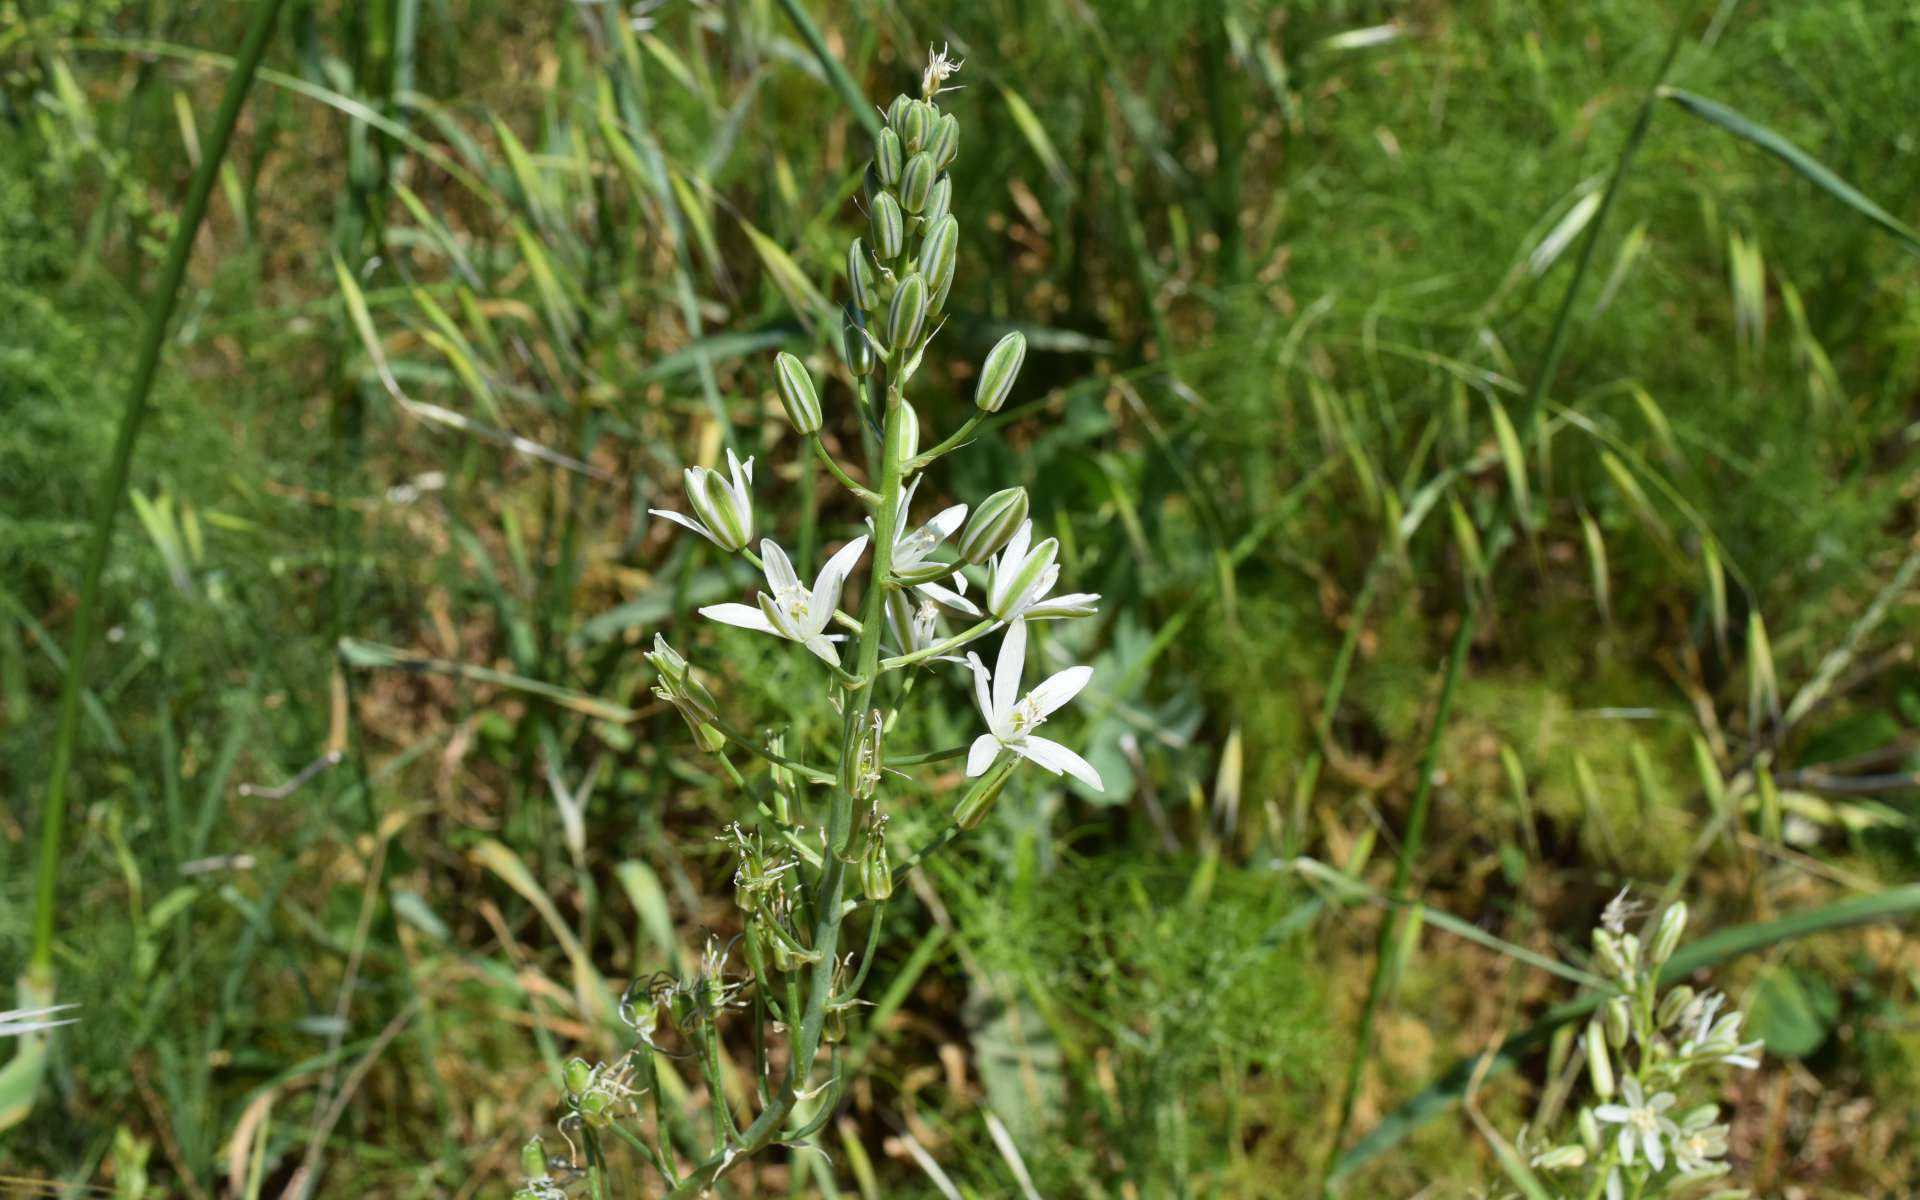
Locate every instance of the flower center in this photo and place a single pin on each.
(1026, 716)
(793, 600)
(1643, 1120)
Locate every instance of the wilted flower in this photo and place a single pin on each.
(1011, 722)
(723, 508)
(1643, 1122)
(689, 697)
(1717, 1037)
(792, 611)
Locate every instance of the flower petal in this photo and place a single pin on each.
(1076, 604)
(1656, 1152)
(947, 598)
(1006, 672)
(826, 589)
(822, 647)
(981, 695)
(781, 577)
(1059, 688)
(746, 616)
(1056, 758)
(689, 522)
(981, 754)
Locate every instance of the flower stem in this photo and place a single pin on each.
(958, 439)
(846, 481)
(953, 643)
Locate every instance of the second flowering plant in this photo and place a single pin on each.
(819, 856)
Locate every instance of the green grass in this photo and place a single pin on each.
(1260, 413)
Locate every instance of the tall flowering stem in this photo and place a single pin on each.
(794, 899)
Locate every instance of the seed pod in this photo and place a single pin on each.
(916, 181)
(992, 524)
(797, 394)
(939, 250)
(916, 122)
(1666, 939)
(999, 371)
(906, 441)
(833, 1030)
(533, 1159)
(577, 1075)
(861, 282)
(876, 872)
(1617, 1016)
(854, 344)
(907, 314)
(889, 227)
(1599, 1065)
(944, 143)
(888, 157)
(939, 200)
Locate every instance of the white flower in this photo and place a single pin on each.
(910, 550)
(723, 508)
(1717, 1039)
(792, 611)
(915, 624)
(1021, 576)
(1699, 1143)
(1011, 722)
(21, 1021)
(1642, 1122)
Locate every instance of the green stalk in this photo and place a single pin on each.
(1410, 845)
(113, 481)
(830, 892)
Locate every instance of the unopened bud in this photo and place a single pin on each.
(907, 314)
(1589, 1127)
(577, 1075)
(1561, 1158)
(1666, 939)
(944, 143)
(1607, 948)
(916, 122)
(855, 346)
(889, 227)
(916, 181)
(861, 283)
(939, 200)
(999, 371)
(797, 394)
(888, 157)
(1599, 1065)
(992, 525)
(897, 112)
(1617, 1016)
(906, 434)
(939, 251)
(1673, 1005)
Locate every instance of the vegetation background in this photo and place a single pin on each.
(1290, 272)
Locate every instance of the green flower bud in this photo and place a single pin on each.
(1589, 1128)
(1612, 960)
(906, 441)
(939, 250)
(999, 371)
(937, 302)
(907, 314)
(916, 181)
(871, 186)
(720, 508)
(861, 281)
(533, 1159)
(1666, 939)
(888, 157)
(855, 346)
(1617, 1016)
(1673, 1004)
(1599, 1065)
(578, 1075)
(939, 200)
(992, 525)
(944, 143)
(916, 122)
(889, 227)
(797, 394)
(897, 112)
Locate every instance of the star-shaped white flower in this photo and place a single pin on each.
(910, 550)
(793, 611)
(1023, 574)
(1700, 1142)
(1642, 1122)
(1011, 722)
(1715, 1036)
(723, 508)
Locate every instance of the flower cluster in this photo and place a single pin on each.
(875, 615)
(1645, 1050)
